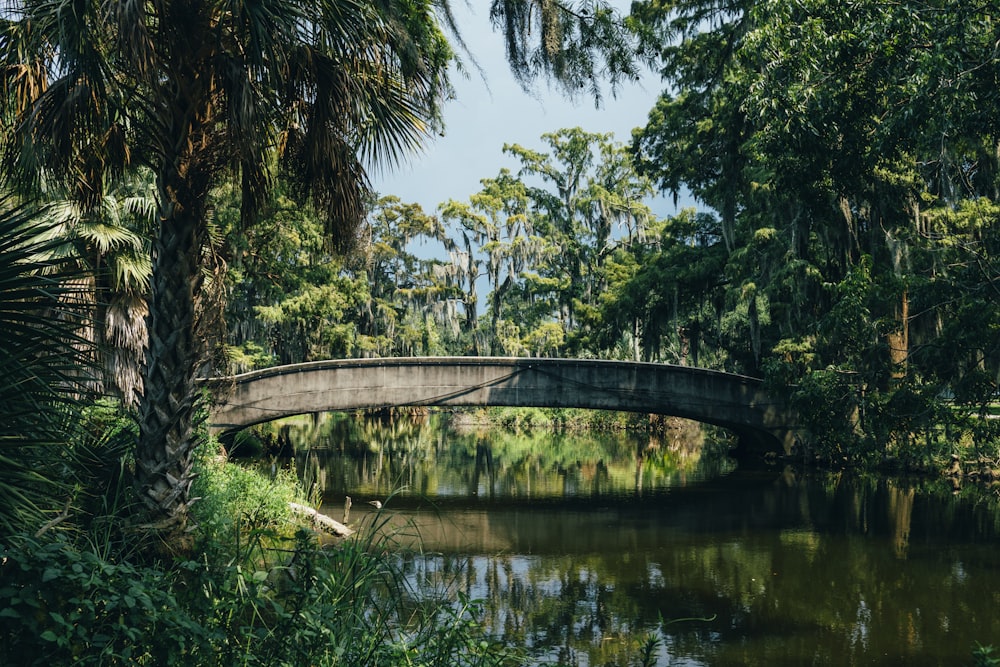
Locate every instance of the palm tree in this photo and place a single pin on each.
(196, 90)
(41, 359)
(111, 240)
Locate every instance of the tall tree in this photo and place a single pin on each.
(195, 90)
(587, 199)
(850, 148)
(112, 240)
(412, 299)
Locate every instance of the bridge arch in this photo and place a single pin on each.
(735, 402)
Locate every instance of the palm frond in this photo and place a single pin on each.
(42, 363)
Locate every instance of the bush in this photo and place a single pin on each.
(301, 606)
(237, 503)
(61, 606)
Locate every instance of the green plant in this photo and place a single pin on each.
(983, 656)
(649, 647)
(43, 362)
(62, 605)
(262, 593)
(238, 504)
(105, 500)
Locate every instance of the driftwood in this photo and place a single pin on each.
(321, 521)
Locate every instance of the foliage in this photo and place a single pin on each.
(104, 503)
(542, 238)
(111, 242)
(577, 45)
(333, 607)
(235, 501)
(196, 93)
(43, 361)
(850, 158)
(293, 300)
(261, 594)
(62, 606)
(983, 656)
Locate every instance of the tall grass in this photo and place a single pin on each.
(259, 592)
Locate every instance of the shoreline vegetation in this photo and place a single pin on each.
(958, 461)
(259, 587)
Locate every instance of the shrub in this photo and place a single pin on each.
(983, 656)
(292, 603)
(60, 605)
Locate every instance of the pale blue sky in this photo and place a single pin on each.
(487, 114)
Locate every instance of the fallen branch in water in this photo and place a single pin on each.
(321, 521)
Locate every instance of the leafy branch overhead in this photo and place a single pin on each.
(579, 46)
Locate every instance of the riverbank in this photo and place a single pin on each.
(259, 588)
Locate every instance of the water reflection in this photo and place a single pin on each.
(416, 457)
(579, 548)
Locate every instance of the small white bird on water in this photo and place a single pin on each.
(377, 504)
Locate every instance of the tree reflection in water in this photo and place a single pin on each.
(579, 547)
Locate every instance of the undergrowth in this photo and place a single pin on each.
(259, 592)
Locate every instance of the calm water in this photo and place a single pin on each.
(581, 547)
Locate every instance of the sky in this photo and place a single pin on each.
(488, 113)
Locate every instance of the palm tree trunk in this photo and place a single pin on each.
(166, 442)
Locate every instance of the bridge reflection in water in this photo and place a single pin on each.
(573, 558)
(741, 404)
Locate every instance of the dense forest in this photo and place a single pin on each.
(845, 165)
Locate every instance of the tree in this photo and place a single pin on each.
(589, 200)
(111, 240)
(850, 149)
(195, 91)
(412, 300)
(664, 297)
(288, 298)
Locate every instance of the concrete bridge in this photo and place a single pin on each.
(738, 403)
(741, 404)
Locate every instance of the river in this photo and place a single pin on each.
(580, 548)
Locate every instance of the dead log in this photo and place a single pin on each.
(321, 521)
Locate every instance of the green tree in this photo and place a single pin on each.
(288, 298)
(412, 301)
(111, 241)
(496, 224)
(587, 202)
(843, 145)
(664, 299)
